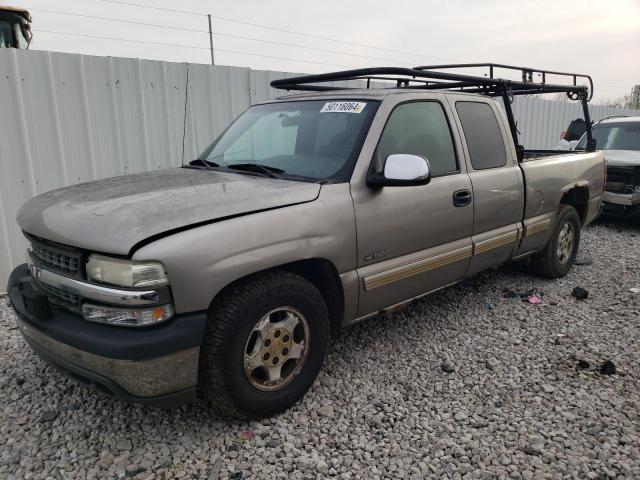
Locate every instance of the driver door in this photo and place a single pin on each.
(414, 239)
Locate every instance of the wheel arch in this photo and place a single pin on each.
(320, 272)
(578, 198)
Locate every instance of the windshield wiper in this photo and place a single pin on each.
(201, 161)
(266, 170)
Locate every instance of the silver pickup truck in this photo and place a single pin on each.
(309, 213)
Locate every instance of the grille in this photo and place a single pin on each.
(618, 187)
(59, 293)
(55, 258)
(622, 179)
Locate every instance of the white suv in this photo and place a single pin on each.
(619, 138)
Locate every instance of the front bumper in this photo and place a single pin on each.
(156, 365)
(626, 199)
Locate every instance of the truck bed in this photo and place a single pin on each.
(549, 177)
(536, 154)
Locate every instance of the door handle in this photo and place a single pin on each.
(462, 198)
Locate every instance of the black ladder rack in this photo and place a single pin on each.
(528, 84)
(432, 77)
(441, 77)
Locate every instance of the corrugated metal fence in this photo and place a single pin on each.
(68, 118)
(540, 122)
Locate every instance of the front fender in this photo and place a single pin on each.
(202, 261)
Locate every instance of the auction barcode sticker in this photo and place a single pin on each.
(343, 107)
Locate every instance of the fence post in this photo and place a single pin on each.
(211, 40)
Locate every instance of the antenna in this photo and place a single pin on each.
(184, 123)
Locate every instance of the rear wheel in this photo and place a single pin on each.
(265, 344)
(560, 252)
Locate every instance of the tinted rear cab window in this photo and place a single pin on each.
(483, 135)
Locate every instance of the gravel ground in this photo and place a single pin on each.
(471, 382)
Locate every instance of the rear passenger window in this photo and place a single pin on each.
(483, 135)
(419, 128)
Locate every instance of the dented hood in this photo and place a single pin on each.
(622, 158)
(115, 214)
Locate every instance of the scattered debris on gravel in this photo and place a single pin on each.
(583, 364)
(608, 368)
(580, 293)
(446, 388)
(583, 260)
(534, 299)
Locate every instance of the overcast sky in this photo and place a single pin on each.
(601, 38)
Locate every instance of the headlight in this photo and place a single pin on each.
(126, 273)
(130, 317)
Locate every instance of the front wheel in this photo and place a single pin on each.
(560, 252)
(265, 344)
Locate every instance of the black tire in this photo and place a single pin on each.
(547, 263)
(232, 319)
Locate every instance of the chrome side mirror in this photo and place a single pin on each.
(402, 170)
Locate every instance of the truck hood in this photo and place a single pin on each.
(622, 158)
(115, 214)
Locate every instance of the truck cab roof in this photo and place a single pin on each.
(373, 94)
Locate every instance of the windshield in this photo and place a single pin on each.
(311, 140)
(6, 35)
(614, 136)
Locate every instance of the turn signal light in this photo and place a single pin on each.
(127, 317)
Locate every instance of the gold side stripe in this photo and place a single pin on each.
(415, 270)
(499, 241)
(399, 273)
(424, 265)
(395, 276)
(537, 227)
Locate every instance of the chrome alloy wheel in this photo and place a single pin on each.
(564, 247)
(276, 349)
